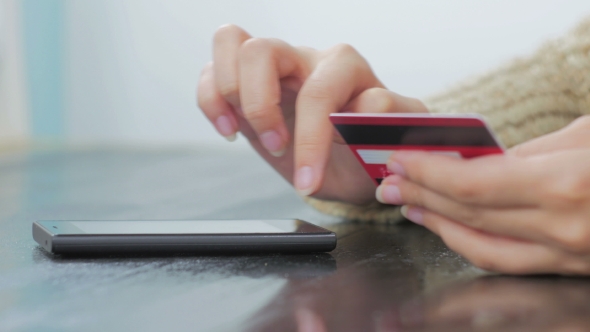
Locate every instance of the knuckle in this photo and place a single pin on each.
(574, 266)
(307, 51)
(569, 190)
(574, 236)
(307, 146)
(469, 216)
(382, 98)
(226, 31)
(464, 190)
(344, 49)
(229, 89)
(256, 47)
(349, 57)
(255, 112)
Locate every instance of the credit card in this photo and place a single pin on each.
(373, 138)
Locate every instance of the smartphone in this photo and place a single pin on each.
(373, 138)
(181, 236)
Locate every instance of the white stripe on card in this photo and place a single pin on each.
(381, 156)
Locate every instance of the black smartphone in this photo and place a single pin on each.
(182, 236)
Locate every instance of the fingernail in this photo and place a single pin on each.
(396, 168)
(231, 138)
(304, 180)
(226, 128)
(272, 142)
(413, 214)
(279, 153)
(389, 194)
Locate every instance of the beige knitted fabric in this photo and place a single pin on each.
(527, 98)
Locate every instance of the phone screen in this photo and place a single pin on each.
(175, 227)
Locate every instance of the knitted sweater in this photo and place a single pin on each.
(526, 98)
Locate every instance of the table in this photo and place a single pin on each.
(380, 277)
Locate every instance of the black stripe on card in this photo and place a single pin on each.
(416, 135)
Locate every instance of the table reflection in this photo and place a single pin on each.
(503, 303)
(359, 302)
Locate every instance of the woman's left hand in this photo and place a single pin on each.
(521, 213)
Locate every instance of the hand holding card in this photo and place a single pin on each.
(373, 138)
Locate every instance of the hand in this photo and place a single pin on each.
(279, 97)
(524, 212)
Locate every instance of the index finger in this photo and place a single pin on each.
(335, 81)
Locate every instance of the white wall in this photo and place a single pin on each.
(133, 64)
(14, 127)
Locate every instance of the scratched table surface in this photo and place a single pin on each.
(382, 278)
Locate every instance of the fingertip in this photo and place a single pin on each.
(379, 195)
(404, 211)
(273, 142)
(304, 180)
(413, 214)
(396, 168)
(304, 192)
(226, 126)
(278, 154)
(389, 194)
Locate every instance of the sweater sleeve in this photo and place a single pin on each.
(524, 99)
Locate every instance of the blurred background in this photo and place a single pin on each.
(124, 71)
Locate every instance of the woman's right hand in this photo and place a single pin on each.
(280, 97)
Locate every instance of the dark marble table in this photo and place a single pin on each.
(383, 278)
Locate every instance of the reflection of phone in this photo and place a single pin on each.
(182, 236)
(373, 138)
